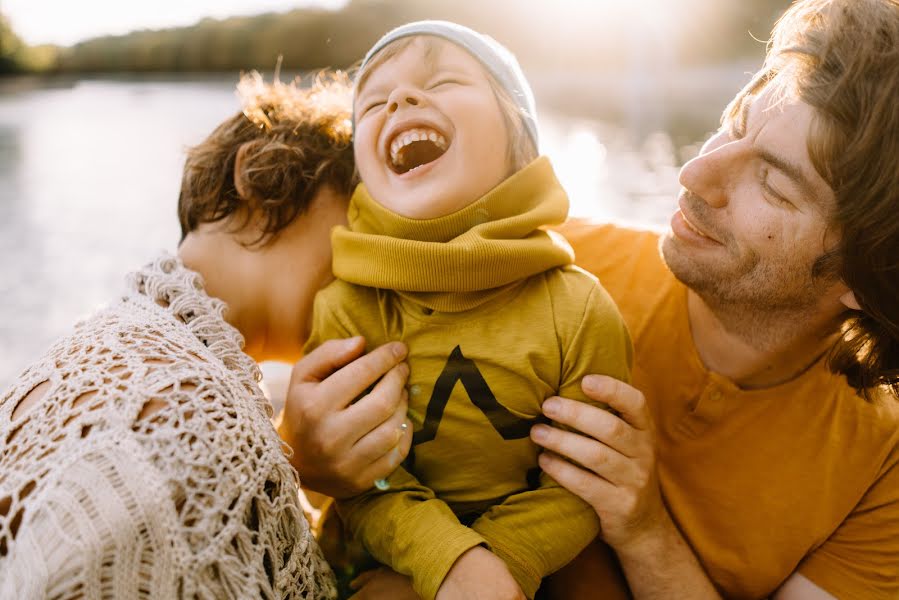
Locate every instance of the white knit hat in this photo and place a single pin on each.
(495, 57)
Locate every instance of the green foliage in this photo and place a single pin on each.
(559, 34)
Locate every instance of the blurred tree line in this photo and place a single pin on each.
(559, 34)
(17, 57)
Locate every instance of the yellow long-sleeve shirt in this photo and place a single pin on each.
(496, 320)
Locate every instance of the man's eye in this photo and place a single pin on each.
(772, 193)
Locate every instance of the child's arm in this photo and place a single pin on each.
(539, 531)
(409, 529)
(406, 526)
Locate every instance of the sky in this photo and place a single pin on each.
(65, 22)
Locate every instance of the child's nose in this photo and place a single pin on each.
(402, 98)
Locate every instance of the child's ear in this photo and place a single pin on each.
(848, 299)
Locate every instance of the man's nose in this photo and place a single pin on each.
(404, 97)
(713, 173)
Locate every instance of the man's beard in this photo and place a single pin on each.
(747, 282)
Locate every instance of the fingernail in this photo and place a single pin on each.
(592, 383)
(399, 350)
(539, 432)
(551, 407)
(351, 343)
(404, 369)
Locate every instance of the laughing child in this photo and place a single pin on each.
(446, 251)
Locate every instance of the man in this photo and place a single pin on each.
(769, 354)
(760, 456)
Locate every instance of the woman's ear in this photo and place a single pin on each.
(239, 183)
(848, 299)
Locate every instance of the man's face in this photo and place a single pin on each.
(430, 138)
(753, 211)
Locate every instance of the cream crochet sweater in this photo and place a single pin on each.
(150, 468)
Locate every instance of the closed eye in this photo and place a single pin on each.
(372, 105)
(444, 82)
(773, 193)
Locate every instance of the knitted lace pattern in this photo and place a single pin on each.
(149, 467)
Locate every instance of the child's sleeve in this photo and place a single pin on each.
(539, 531)
(408, 528)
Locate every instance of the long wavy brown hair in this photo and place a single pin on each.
(267, 162)
(842, 58)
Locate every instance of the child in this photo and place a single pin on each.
(446, 251)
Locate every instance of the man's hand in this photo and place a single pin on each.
(479, 575)
(340, 447)
(617, 475)
(618, 478)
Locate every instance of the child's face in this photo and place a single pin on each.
(442, 98)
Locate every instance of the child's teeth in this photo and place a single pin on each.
(414, 135)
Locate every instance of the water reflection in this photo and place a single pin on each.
(90, 170)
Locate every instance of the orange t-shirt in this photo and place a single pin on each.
(801, 476)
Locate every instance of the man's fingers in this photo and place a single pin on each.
(592, 455)
(627, 400)
(594, 490)
(595, 422)
(327, 358)
(341, 388)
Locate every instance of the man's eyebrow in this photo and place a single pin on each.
(790, 169)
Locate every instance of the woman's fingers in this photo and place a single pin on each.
(388, 462)
(379, 405)
(319, 364)
(591, 454)
(341, 388)
(376, 442)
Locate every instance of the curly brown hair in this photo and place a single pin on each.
(842, 58)
(267, 162)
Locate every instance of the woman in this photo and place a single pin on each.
(138, 458)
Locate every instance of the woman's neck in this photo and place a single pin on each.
(230, 274)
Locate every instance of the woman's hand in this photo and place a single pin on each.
(617, 472)
(340, 447)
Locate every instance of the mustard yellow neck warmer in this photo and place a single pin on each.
(456, 262)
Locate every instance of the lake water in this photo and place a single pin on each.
(90, 171)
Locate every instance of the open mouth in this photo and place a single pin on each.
(416, 147)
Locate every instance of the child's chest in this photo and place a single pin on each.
(498, 363)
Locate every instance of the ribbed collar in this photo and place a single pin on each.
(458, 261)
